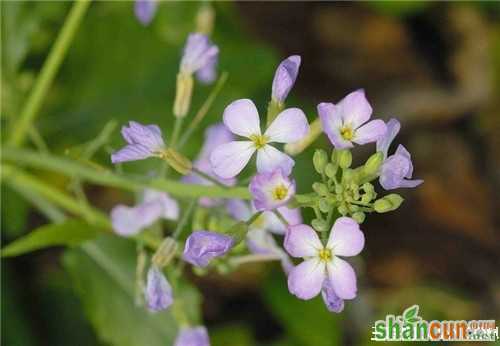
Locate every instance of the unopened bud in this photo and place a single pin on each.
(320, 189)
(205, 19)
(177, 161)
(373, 164)
(335, 157)
(331, 170)
(345, 158)
(359, 217)
(324, 205)
(319, 225)
(183, 92)
(301, 200)
(342, 209)
(388, 203)
(320, 159)
(165, 252)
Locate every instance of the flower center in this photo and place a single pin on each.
(325, 255)
(280, 192)
(347, 133)
(259, 140)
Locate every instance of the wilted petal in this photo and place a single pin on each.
(203, 246)
(331, 122)
(370, 132)
(346, 239)
(383, 144)
(332, 301)
(131, 152)
(170, 208)
(355, 109)
(285, 77)
(229, 159)
(302, 241)
(242, 118)
(158, 290)
(271, 190)
(145, 10)
(196, 336)
(270, 159)
(343, 278)
(306, 279)
(289, 126)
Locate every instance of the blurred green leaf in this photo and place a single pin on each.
(307, 322)
(103, 274)
(14, 213)
(399, 8)
(70, 232)
(232, 335)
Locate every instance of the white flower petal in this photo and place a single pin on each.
(342, 278)
(355, 109)
(229, 159)
(346, 239)
(289, 126)
(306, 280)
(269, 159)
(242, 118)
(302, 241)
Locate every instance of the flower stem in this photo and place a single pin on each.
(253, 218)
(177, 130)
(184, 219)
(281, 217)
(236, 261)
(49, 70)
(208, 177)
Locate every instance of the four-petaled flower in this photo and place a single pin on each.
(200, 57)
(285, 77)
(242, 118)
(143, 141)
(343, 122)
(271, 190)
(396, 170)
(322, 262)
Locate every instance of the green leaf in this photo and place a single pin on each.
(410, 313)
(306, 322)
(70, 232)
(103, 275)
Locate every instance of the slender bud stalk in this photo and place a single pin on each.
(183, 94)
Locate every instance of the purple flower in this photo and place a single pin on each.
(158, 290)
(343, 122)
(200, 56)
(332, 301)
(128, 221)
(145, 10)
(169, 206)
(143, 141)
(322, 262)
(214, 136)
(241, 118)
(271, 190)
(203, 246)
(195, 336)
(285, 77)
(396, 170)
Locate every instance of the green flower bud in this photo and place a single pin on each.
(300, 200)
(165, 252)
(183, 94)
(348, 175)
(342, 209)
(345, 158)
(335, 157)
(177, 161)
(320, 159)
(319, 225)
(339, 189)
(359, 217)
(388, 203)
(373, 164)
(331, 170)
(324, 205)
(320, 189)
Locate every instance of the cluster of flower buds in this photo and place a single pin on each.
(341, 199)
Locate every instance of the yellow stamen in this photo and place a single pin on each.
(280, 192)
(259, 140)
(325, 255)
(347, 133)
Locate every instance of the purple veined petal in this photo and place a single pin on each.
(238, 209)
(270, 159)
(355, 109)
(331, 122)
(195, 336)
(208, 73)
(131, 152)
(342, 278)
(198, 52)
(346, 238)
(158, 290)
(242, 118)
(306, 279)
(370, 132)
(146, 135)
(271, 190)
(383, 144)
(170, 208)
(289, 126)
(285, 77)
(229, 159)
(273, 224)
(145, 10)
(202, 246)
(332, 301)
(302, 241)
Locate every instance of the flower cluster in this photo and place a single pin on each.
(341, 198)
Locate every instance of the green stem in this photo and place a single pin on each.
(208, 177)
(239, 260)
(176, 132)
(281, 217)
(49, 69)
(185, 217)
(253, 218)
(102, 176)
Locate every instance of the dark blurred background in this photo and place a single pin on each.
(433, 65)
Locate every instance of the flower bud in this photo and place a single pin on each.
(319, 225)
(324, 205)
(331, 170)
(320, 189)
(345, 158)
(202, 246)
(165, 253)
(373, 164)
(388, 203)
(158, 290)
(205, 19)
(359, 217)
(342, 209)
(183, 94)
(177, 161)
(320, 159)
